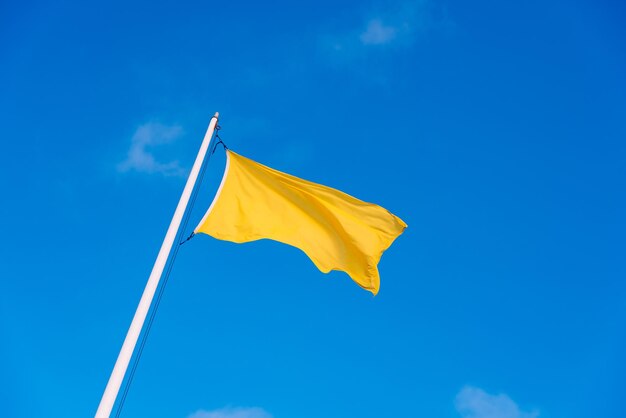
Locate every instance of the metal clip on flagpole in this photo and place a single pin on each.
(123, 359)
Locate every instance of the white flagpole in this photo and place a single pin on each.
(117, 376)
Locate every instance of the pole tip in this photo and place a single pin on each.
(217, 115)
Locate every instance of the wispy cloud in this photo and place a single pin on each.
(378, 33)
(395, 25)
(140, 157)
(473, 402)
(232, 413)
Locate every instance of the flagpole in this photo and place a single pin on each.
(119, 370)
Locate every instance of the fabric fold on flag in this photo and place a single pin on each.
(335, 230)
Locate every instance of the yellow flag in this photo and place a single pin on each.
(336, 231)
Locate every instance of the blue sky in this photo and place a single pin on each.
(494, 129)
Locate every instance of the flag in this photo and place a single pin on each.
(336, 230)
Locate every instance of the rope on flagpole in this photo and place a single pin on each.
(217, 136)
(193, 198)
(186, 217)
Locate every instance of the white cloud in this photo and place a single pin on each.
(377, 33)
(393, 24)
(473, 402)
(141, 159)
(232, 413)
